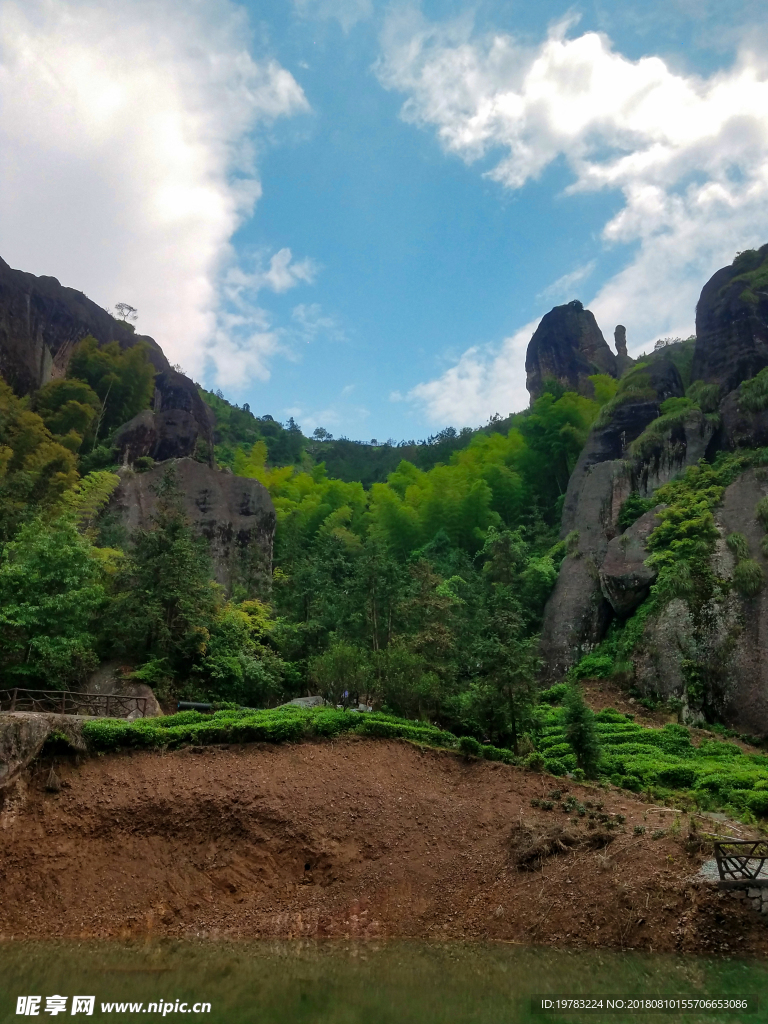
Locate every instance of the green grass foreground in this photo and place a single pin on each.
(662, 762)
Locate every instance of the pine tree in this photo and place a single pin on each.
(580, 730)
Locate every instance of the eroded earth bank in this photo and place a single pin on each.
(355, 838)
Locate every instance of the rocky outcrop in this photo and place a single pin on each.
(660, 457)
(23, 735)
(732, 322)
(625, 579)
(578, 611)
(742, 428)
(178, 425)
(234, 514)
(710, 650)
(113, 678)
(738, 631)
(568, 347)
(41, 321)
(623, 360)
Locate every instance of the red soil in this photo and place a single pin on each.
(350, 838)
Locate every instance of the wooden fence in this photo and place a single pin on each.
(63, 702)
(740, 863)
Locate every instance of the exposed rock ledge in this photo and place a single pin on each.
(23, 735)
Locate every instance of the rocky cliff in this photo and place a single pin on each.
(41, 321)
(568, 347)
(233, 513)
(732, 322)
(707, 644)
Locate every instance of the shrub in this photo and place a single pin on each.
(761, 512)
(748, 578)
(738, 544)
(753, 395)
(633, 507)
(555, 694)
(706, 396)
(143, 463)
(757, 802)
(678, 776)
(535, 761)
(593, 666)
(470, 746)
(555, 766)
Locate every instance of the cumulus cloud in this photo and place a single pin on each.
(688, 154)
(128, 160)
(486, 380)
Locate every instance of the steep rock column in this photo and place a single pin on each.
(568, 347)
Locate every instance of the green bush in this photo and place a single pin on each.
(555, 766)
(706, 396)
(761, 512)
(555, 694)
(633, 507)
(748, 578)
(738, 544)
(593, 666)
(535, 761)
(753, 394)
(470, 746)
(758, 803)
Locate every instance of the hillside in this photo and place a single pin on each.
(238, 429)
(358, 838)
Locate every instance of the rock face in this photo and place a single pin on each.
(579, 611)
(41, 322)
(569, 347)
(740, 427)
(178, 425)
(737, 631)
(732, 322)
(111, 678)
(625, 579)
(234, 514)
(623, 360)
(22, 736)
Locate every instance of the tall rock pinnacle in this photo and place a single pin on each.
(568, 347)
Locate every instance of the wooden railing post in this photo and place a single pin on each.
(13, 698)
(107, 708)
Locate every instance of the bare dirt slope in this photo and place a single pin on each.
(350, 838)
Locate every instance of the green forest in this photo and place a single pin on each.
(421, 592)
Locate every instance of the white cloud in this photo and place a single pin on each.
(346, 12)
(561, 290)
(128, 160)
(485, 381)
(310, 322)
(689, 155)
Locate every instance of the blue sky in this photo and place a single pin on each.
(355, 213)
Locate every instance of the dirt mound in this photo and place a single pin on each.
(356, 837)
